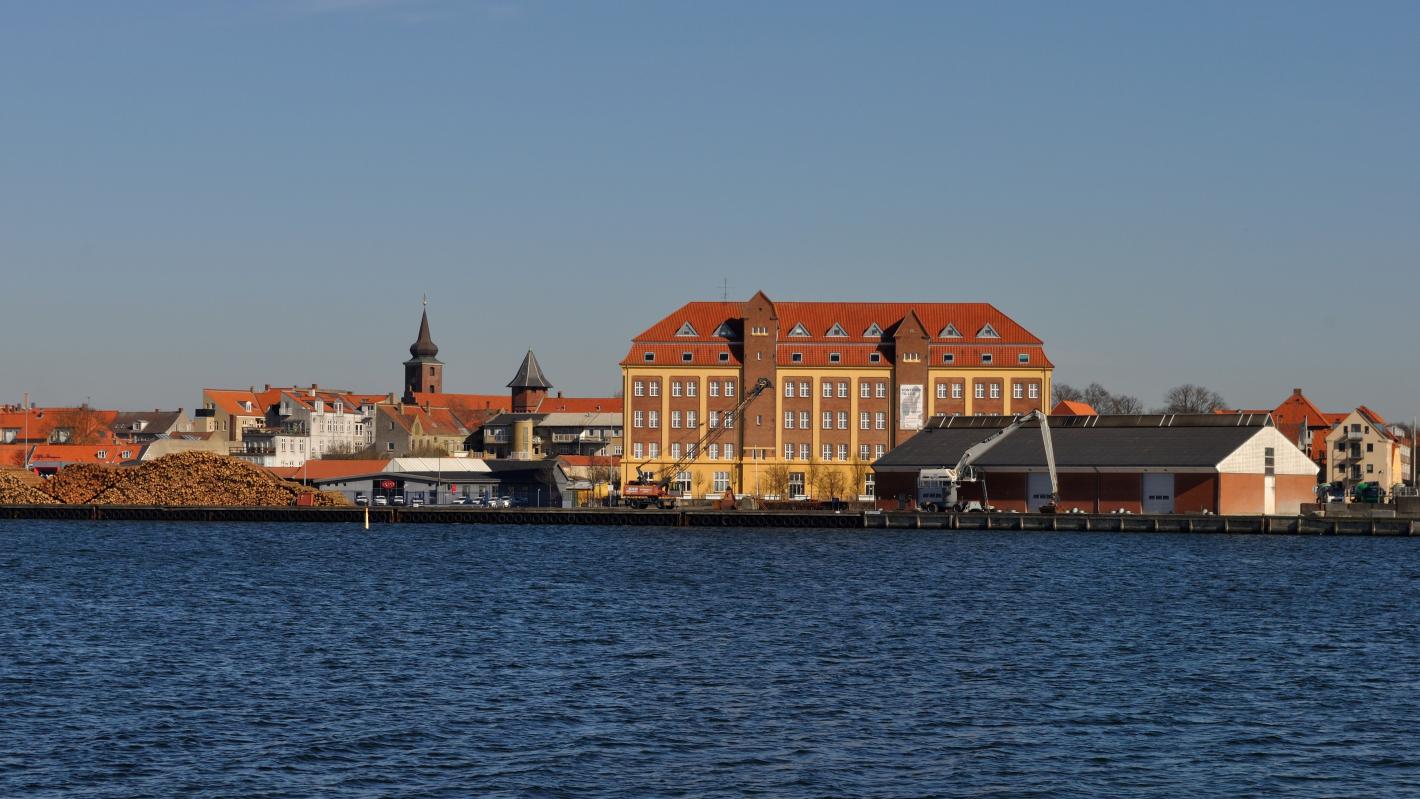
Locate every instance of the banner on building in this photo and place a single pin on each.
(909, 407)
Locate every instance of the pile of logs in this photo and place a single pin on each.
(185, 478)
(15, 490)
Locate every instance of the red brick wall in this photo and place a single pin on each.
(1193, 493)
(1006, 491)
(1078, 491)
(983, 407)
(1292, 491)
(909, 369)
(1118, 491)
(1025, 404)
(1240, 494)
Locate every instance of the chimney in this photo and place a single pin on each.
(1296, 392)
(559, 395)
(268, 387)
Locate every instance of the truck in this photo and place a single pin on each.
(937, 488)
(653, 486)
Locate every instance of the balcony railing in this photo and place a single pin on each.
(1352, 435)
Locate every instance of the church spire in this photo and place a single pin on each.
(424, 346)
(423, 373)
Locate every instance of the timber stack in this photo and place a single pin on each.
(183, 479)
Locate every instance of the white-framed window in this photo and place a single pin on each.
(638, 449)
(788, 388)
(995, 391)
(675, 449)
(805, 388)
(653, 449)
(796, 483)
(653, 419)
(722, 482)
(729, 452)
(797, 357)
(875, 357)
(692, 387)
(691, 421)
(843, 389)
(728, 420)
(827, 452)
(729, 388)
(1033, 391)
(712, 417)
(986, 357)
(1023, 358)
(675, 420)
(638, 418)
(788, 452)
(648, 357)
(713, 387)
(804, 422)
(1018, 391)
(826, 390)
(878, 451)
(880, 420)
(843, 420)
(653, 388)
(788, 420)
(827, 420)
(941, 391)
(956, 390)
(865, 421)
(638, 388)
(880, 390)
(864, 452)
(948, 357)
(980, 391)
(713, 452)
(865, 390)
(675, 388)
(803, 452)
(843, 452)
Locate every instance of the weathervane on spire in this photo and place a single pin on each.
(426, 300)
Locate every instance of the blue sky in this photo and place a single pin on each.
(233, 193)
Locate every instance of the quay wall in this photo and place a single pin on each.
(860, 520)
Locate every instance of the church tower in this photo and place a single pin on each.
(423, 372)
(529, 385)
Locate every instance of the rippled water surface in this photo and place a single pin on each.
(312, 660)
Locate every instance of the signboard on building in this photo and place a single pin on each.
(909, 407)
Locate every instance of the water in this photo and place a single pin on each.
(302, 660)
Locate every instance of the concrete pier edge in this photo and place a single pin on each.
(865, 520)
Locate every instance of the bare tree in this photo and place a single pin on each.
(81, 425)
(427, 451)
(1191, 398)
(831, 483)
(776, 480)
(858, 473)
(1064, 392)
(1100, 398)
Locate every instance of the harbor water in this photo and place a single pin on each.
(299, 660)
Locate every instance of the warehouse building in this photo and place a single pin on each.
(1176, 463)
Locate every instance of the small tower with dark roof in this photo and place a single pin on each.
(423, 372)
(529, 385)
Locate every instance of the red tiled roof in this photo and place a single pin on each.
(84, 453)
(580, 405)
(818, 318)
(590, 460)
(674, 354)
(43, 421)
(1073, 408)
(13, 454)
(497, 402)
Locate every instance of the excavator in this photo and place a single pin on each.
(653, 488)
(937, 488)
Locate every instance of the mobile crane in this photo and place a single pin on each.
(653, 488)
(937, 488)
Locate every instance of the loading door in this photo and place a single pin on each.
(1158, 493)
(1038, 493)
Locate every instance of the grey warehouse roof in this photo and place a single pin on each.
(1081, 442)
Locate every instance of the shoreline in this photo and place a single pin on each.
(853, 520)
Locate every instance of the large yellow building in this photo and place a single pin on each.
(847, 382)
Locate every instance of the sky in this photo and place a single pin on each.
(239, 192)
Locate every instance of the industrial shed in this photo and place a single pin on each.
(1170, 463)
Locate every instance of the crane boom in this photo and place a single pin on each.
(711, 435)
(947, 480)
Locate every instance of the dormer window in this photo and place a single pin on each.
(648, 356)
(837, 331)
(987, 331)
(686, 329)
(873, 331)
(799, 331)
(875, 357)
(950, 331)
(687, 357)
(834, 357)
(948, 357)
(724, 331)
(986, 358)
(797, 357)
(1023, 358)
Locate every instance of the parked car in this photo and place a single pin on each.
(416, 503)
(504, 502)
(381, 499)
(398, 499)
(462, 501)
(361, 499)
